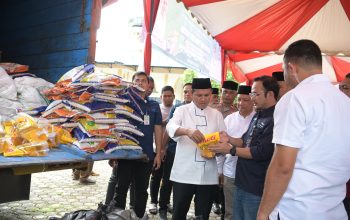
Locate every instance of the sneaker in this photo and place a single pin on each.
(170, 208)
(153, 209)
(163, 215)
(145, 217)
(75, 175)
(216, 209)
(87, 181)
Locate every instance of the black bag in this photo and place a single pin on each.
(100, 214)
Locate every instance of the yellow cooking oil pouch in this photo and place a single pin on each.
(209, 139)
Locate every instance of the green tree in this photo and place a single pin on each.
(188, 76)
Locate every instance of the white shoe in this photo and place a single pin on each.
(153, 209)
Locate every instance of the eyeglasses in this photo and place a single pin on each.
(255, 94)
(344, 87)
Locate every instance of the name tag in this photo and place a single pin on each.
(146, 119)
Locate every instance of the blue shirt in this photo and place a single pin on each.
(250, 173)
(150, 108)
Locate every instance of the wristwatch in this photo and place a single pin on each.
(233, 150)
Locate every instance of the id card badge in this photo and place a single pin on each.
(146, 119)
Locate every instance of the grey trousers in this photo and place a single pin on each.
(229, 186)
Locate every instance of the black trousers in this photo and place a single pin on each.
(156, 178)
(347, 206)
(167, 184)
(183, 193)
(111, 189)
(138, 172)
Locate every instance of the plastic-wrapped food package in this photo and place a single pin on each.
(24, 136)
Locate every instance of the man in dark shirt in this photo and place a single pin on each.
(254, 150)
(135, 170)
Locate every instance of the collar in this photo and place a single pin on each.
(266, 112)
(315, 78)
(197, 109)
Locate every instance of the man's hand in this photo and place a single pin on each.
(163, 154)
(262, 217)
(195, 135)
(224, 136)
(222, 148)
(157, 162)
(221, 180)
(112, 163)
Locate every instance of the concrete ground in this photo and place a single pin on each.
(55, 193)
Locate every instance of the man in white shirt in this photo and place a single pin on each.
(167, 97)
(191, 173)
(310, 166)
(236, 124)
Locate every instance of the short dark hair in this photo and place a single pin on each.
(187, 84)
(140, 73)
(270, 84)
(304, 53)
(167, 88)
(150, 79)
(347, 76)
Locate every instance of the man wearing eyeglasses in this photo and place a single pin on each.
(254, 150)
(344, 85)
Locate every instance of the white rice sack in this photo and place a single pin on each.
(30, 97)
(7, 86)
(32, 82)
(9, 107)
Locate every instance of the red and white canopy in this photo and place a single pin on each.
(243, 27)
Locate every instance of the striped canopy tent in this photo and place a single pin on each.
(254, 33)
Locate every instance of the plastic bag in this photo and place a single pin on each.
(7, 86)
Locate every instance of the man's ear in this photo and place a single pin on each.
(292, 68)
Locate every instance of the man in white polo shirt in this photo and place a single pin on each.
(310, 167)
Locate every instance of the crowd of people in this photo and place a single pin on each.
(283, 151)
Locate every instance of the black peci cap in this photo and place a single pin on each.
(278, 76)
(201, 83)
(245, 90)
(215, 91)
(230, 85)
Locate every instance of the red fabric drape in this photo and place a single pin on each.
(346, 7)
(150, 14)
(266, 71)
(190, 3)
(223, 65)
(237, 74)
(341, 68)
(271, 28)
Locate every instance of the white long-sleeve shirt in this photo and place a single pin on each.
(189, 166)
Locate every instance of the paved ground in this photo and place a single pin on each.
(55, 193)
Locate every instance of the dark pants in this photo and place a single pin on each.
(347, 206)
(111, 189)
(219, 198)
(183, 193)
(167, 184)
(139, 172)
(156, 178)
